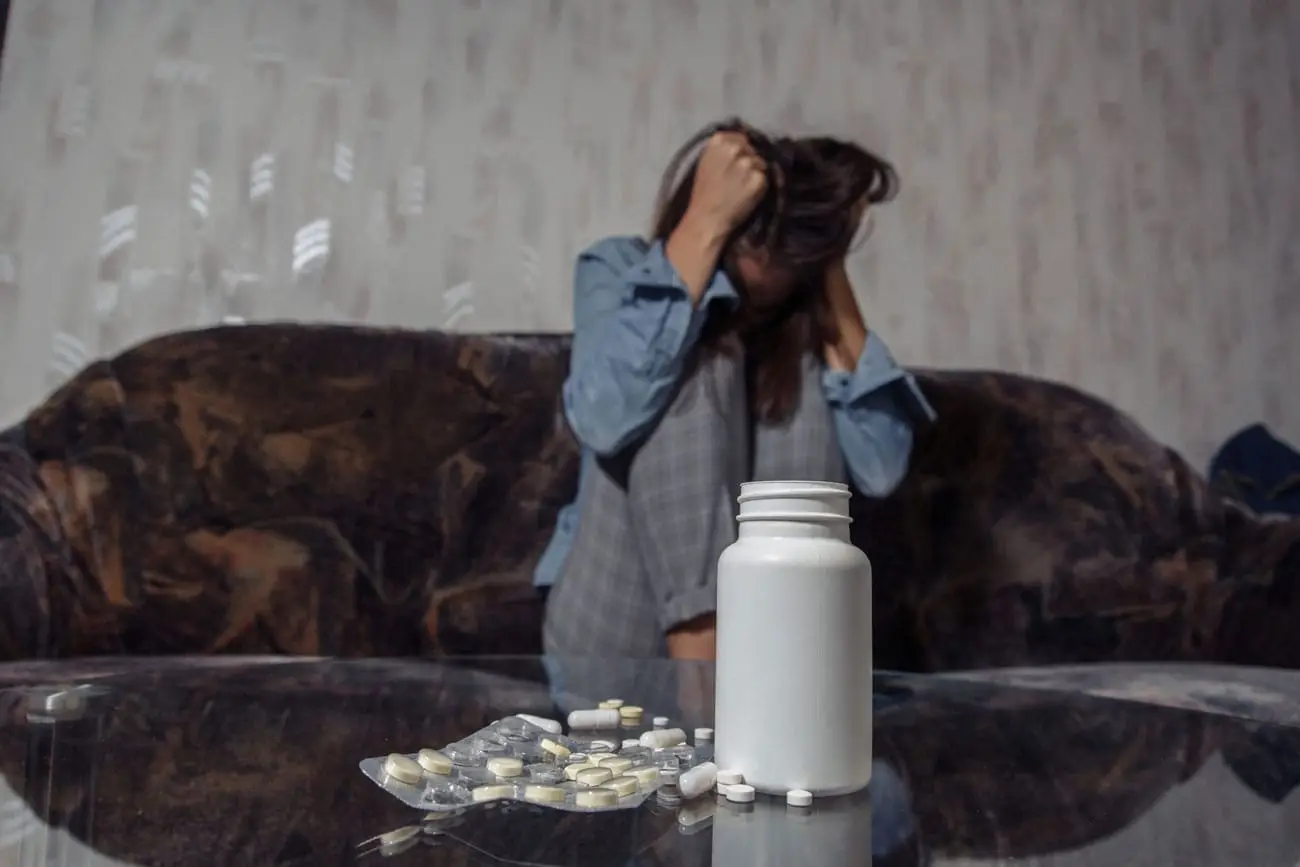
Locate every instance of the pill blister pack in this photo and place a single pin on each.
(607, 761)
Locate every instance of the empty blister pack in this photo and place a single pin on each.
(605, 763)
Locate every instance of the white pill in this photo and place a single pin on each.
(703, 735)
(434, 762)
(596, 798)
(662, 739)
(578, 758)
(560, 751)
(550, 725)
(602, 746)
(729, 777)
(740, 793)
(631, 743)
(544, 794)
(572, 771)
(617, 766)
(660, 721)
(601, 758)
(611, 704)
(647, 776)
(630, 712)
(622, 786)
(505, 766)
(403, 769)
(493, 793)
(697, 780)
(799, 798)
(593, 776)
(606, 718)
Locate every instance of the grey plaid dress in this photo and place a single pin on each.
(653, 521)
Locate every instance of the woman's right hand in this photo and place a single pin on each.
(730, 180)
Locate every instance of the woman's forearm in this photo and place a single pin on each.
(848, 331)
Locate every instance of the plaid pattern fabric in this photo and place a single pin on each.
(653, 522)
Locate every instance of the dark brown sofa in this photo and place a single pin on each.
(350, 491)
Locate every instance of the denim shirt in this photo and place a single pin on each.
(633, 328)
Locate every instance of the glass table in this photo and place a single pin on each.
(250, 761)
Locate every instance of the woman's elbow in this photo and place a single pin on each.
(598, 422)
(879, 465)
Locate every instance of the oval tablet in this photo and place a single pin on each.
(611, 704)
(622, 786)
(607, 718)
(572, 771)
(403, 769)
(544, 794)
(549, 725)
(661, 739)
(601, 758)
(505, 766)
(596, 798)
(593, 776)
(493, 793)
(433, 761)
(629, 711)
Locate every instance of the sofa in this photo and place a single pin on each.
(351, 491)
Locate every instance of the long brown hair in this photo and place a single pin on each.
(805, 222)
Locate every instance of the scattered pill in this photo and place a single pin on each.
(646, 776)
(622, 786)
(697, 780)
(660, 721)
(606, 718)
(611, 704)
(572, 771)
(703, 735)
(544, 794)
(596, 798)
(398, 836)
(549, 725)
(593, 776)
(661, 739)
(617, 765)
(631, 743)
(403, 769)
(433, 761)
(630, 711)
(601, 758)
(560, 751)
(729, 777)
(493, 793)
(505, 766)
(799, 798)
(740, 793)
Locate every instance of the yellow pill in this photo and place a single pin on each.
(493, 793)
(617, 766)
(403, 769)
(647, 776)
(593, 776)
(572, 771)
(611, 704)
(601, 758)
(622, 786)
(596, 798)
(505, 766)
(560, 751)
(544, 794)
(434, 762)
(630, 711)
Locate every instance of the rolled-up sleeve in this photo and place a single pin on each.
(875, 407)
(633, 325)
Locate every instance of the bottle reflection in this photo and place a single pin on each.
(874, 827)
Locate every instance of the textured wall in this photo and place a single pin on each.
(1102, 191)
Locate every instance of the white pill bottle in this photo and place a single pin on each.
(793, 678)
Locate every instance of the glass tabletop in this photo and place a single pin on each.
(231, 761)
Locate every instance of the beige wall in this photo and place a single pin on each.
(1102, 191)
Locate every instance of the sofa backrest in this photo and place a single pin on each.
(353, 491)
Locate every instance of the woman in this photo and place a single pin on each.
(728, 347)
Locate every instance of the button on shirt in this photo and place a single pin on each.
(634, 325)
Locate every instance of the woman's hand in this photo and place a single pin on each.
(730, 180)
